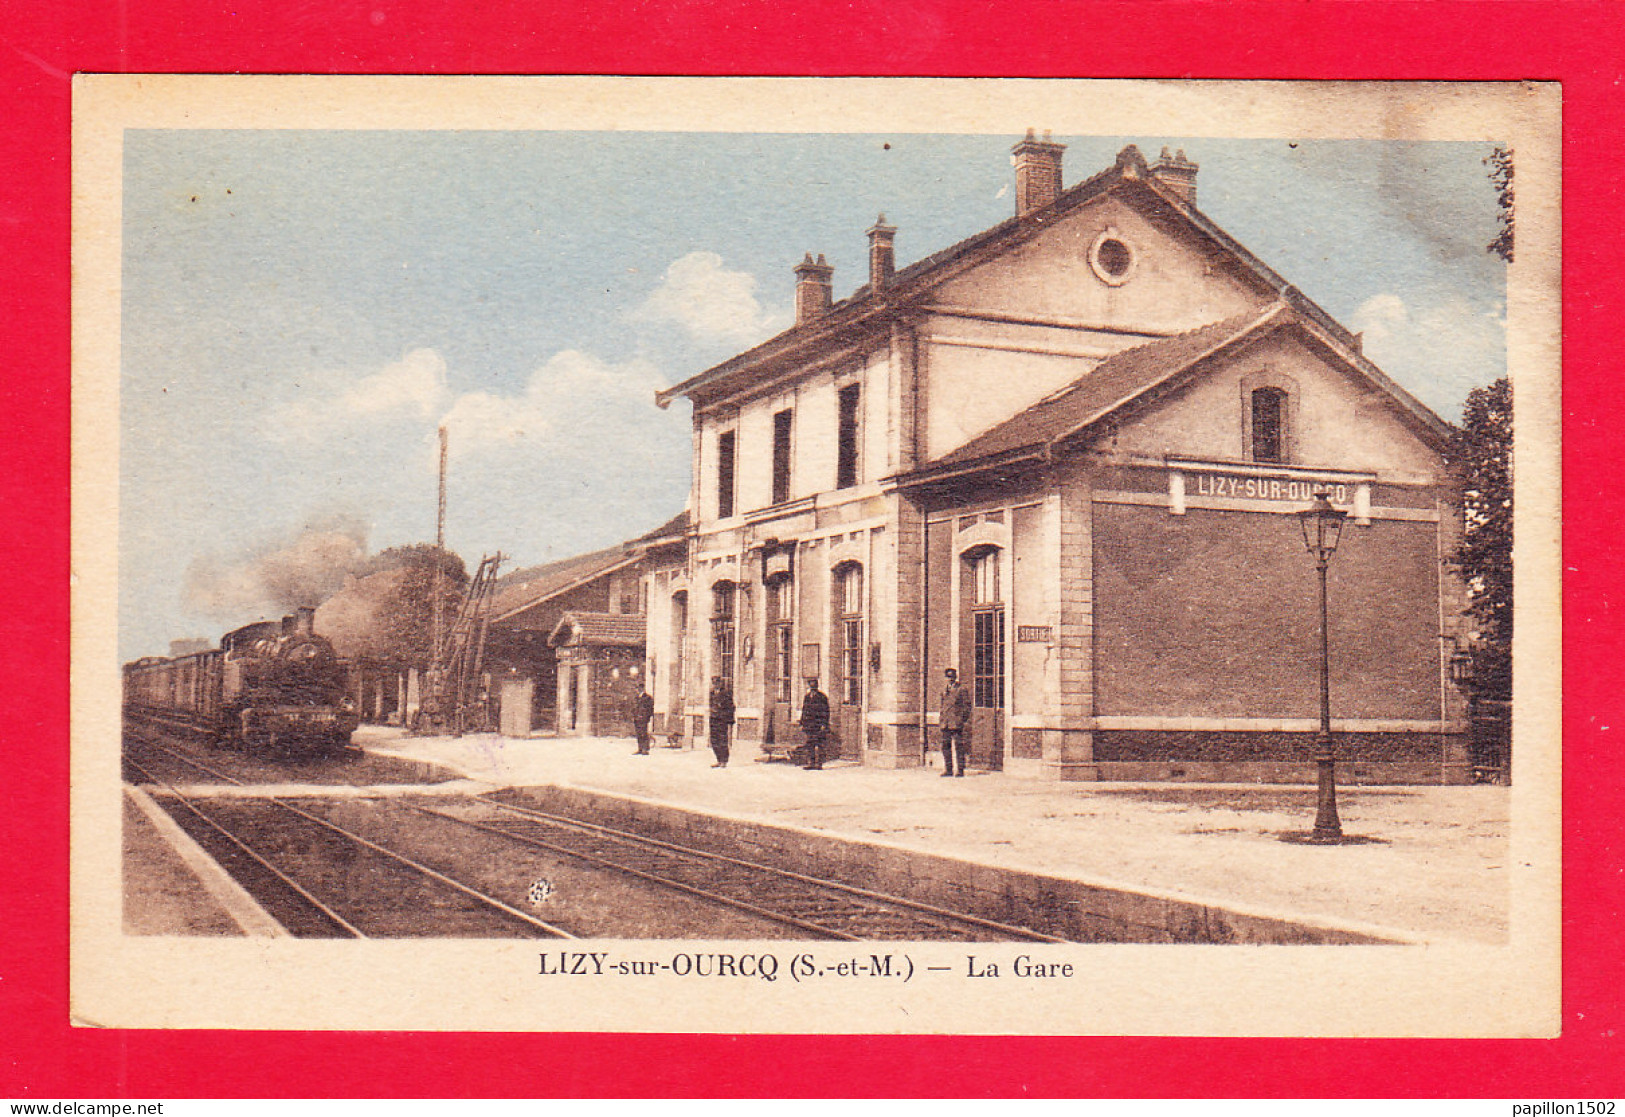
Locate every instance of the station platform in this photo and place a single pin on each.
(1432, 864)
(165, 893)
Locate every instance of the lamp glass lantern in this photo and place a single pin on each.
(1322, 526)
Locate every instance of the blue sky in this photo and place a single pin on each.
(301, 310)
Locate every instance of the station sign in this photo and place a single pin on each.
(1265, 488)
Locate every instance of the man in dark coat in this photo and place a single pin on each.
(722, 720)
(643, 712)
(956, 704)
(815, 724)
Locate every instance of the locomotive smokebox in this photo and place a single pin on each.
(305, 620)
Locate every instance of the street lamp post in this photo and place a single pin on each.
(1322, 526)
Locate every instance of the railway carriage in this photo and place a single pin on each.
(268, 687)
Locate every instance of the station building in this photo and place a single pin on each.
(1064, 457)
(566, 647)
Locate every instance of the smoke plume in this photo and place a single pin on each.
(280, 576)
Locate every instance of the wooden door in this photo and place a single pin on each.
(515, 697)
(847, 731)
(987, 739)
(782, 718)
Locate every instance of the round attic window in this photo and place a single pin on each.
(1111, 258)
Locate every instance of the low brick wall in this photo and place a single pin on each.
(1070, 909)
(1362, 758)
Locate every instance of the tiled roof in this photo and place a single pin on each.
(675, 526)
(1129, 167)
(1129, 172)
(1121, 377)
(599, 628)
(534, 584)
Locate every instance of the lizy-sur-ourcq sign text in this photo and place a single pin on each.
(1267, 488)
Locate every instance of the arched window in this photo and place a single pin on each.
(848, 600)
(781, 616)
(1269, 411)
(722, 632)
(987, 628)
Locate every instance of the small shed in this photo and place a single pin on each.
(600, 660)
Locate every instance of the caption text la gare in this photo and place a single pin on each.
(1023, 966)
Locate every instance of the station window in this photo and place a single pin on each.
(987, 631)
(846, 465)
(1269, 425)
(782, 424)
(780, 637)
(725, 474)
(849, 629)
(722, 632)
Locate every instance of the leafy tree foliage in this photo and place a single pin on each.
(388, 612)
(1499, 162)
(1481, 451)
(418, 556)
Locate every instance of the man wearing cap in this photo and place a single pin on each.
(722, 720)
(815, 724)
(955, 714)
(643, 712)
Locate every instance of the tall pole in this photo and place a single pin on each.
(1327, 825)
(438, 613)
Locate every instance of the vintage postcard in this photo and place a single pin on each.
(875, 556)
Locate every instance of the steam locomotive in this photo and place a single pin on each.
(269, 687)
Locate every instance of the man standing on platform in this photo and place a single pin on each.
(722, 720)
(643, 712)
(815, 724)
(952, 720)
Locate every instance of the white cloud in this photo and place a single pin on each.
(412, 387)
(1438, 350)
(570, 403)
(415, 382)
(1379, 316)
(711, 302)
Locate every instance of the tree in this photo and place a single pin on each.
(1481, 451)
(387, 613)
(408, 616)
(1499, 162)
(419, 556)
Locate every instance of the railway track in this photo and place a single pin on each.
(797, 905)
(822, 908)
(322, 880)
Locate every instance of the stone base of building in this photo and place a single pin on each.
(1362, 758)
(1050, 769)
(1349, 774)
(893, 747)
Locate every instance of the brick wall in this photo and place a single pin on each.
(1216, 614)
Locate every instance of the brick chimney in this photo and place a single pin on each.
(882, 258)
(1038, 173)
(1176, 173)
(813, 288)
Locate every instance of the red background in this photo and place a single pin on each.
(1580, 44)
